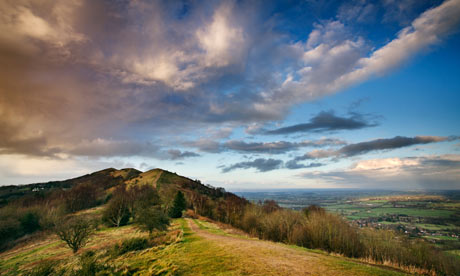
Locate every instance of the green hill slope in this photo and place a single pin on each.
(190, 247)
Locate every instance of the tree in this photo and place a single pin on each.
(179, 205)
(152, 218)
(141, 197)
(81, 196)
(75, 232)
(117, 213)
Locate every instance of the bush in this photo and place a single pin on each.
(251, 220)
(331, 233)
(386, 246)
(152, 218)
(10, 229)
(45, 268)
(129, 245)
(30, 222)
(89, 266)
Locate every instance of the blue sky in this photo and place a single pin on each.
(238, 94)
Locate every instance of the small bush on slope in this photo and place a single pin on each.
(128, 245)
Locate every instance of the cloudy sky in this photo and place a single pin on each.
(238, 94)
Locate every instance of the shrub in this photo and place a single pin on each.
(331, 233)
(386, 246)
(251, 220)
(30, 222)
(45, 268)
(89, 266)
(129, 245)
(10, 229)
(152, 218)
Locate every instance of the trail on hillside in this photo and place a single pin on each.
(156, 179)
(268, 258)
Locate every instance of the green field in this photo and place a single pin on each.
(413, 212)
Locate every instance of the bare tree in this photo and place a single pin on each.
(117, 213)
(75, 232)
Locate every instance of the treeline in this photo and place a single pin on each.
(315, 228)
(139, 204)
(41, 210)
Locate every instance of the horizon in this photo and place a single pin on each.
(244, 95)
(263, 190)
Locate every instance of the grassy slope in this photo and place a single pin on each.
(199, 248)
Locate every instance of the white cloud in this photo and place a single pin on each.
(55, 27)
(428, 29)
(333, 58)
(222, 41)
(425, 172)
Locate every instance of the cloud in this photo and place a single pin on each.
(107, 148)
(260, 164)
(332, 59)
(276, 147)
(293, 165)
(94, 75)
(326, 121)
(374, 145)
(387, 144)
(426, 172)
(179, 155)
(264, 165)
(360, 11)
(222, 41)
(111, 148)
(426, 30)
(205, 145)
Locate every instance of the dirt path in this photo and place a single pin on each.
(156, 178)
(268, 258)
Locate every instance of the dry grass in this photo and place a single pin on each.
(256, 257)
(191, 248)
(146, 178)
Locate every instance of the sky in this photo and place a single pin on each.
(238, 94)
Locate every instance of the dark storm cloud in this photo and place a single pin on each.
(260, 164)
(375, 145)
(326, 121)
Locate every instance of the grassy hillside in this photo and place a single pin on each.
(118, 204)
(189, 247)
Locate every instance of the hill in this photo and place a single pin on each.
(223, 234)
(190, 247)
